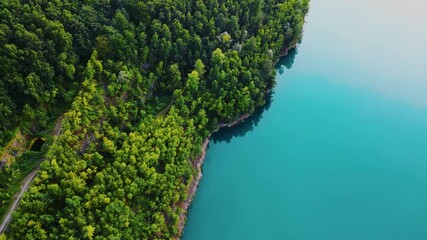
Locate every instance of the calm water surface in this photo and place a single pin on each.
(341, 151)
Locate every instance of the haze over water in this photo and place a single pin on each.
(341, 152)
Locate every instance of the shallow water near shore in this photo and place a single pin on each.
(341, 150)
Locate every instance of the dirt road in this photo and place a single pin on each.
(24, 187)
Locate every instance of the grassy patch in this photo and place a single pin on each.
(15, 147)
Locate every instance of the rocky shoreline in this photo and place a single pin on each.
(284, 52)
(197, 163)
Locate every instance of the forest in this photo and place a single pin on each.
(135, 86)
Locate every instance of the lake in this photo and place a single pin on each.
(340, 151)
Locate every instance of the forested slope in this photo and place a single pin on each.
(141, 83)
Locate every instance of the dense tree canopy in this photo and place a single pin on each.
(141, 83)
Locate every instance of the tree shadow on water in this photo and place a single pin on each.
(287, 61)
(248, 125)
(240, 130)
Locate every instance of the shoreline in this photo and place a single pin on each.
(285, 51)
(198, 163)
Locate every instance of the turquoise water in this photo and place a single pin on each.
(341, 151)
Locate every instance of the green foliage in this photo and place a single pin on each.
(11, 177)
(143, 82)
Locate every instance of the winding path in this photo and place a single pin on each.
(24, 188)
(26, 183)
